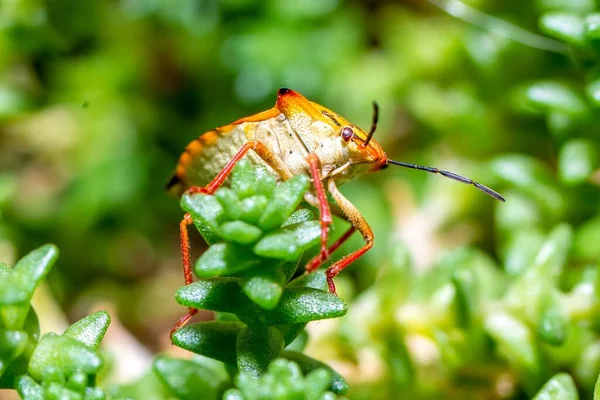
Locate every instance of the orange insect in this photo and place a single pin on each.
(294, 137)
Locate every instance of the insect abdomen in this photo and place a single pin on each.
(206, 156)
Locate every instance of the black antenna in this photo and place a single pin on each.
(373, 124)
(450, 175)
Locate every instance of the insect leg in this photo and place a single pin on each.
(359, 223)
(187, 268)
(267, 155)
(269, 158)
(316, 261)
(325, 214)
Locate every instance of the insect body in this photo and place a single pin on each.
(294, 137)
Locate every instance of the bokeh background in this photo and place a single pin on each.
(461, 296)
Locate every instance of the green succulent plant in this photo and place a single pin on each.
(257, 237)
(53, 366)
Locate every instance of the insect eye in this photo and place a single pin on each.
(347, 133)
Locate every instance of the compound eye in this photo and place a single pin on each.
(347, 133)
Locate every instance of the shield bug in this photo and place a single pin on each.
(296, 136)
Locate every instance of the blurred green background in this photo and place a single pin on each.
(461, 296)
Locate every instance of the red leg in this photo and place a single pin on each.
(270, 159)
(185, 248)
(183, 320)
(359, 223)
(344, 262)
(187, 267)
(316, 261)
(325, 213)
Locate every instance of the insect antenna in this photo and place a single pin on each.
(373, 124)
(450, 175)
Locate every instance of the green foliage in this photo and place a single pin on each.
(459, 298)
(559, 387)
(188, 378)
(248, 269)
(283, 380)
(53, 366)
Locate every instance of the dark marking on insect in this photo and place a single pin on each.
(331, 117)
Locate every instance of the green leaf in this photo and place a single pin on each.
(280, 245)
(578, 6)
(592, 91)
(239, 232)
(529, 294)
(148, 387)
(230, 203)
(289, 243)
(561, 124)
(265, 181)
(586, 238)
(224, 259)
(552, 257)
(12, 344)
(516, 343)
(252, 208)
(264, 286)
(564, 26)
(4, 269)
(187, 379)
(287, 376)
(63, 354)
(587, 365)
(592, 27)
(257, 346)
(94, 394)
(213, 339)
(397, 356)
(577, 160)
(315, 280)
(29, 389)
(299, 305)
(218, 294)
(521, 250)
(77, 382)
(291, 332)
(19, 285)
(307, 364)
(290, 268)
(317, 382)
(547, 96)
(554, 325)
(233, 394)
(244, 179)
(298, 216)
(597, 389)
(299, 343)
(286, 198)
(466, 299)
(532, 178)
(207, 213)
(90, 330)
(55, 390)
(18, 365)
(559, 387)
